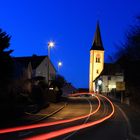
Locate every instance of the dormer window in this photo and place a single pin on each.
(98, 59)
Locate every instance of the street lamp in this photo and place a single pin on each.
(51, 44)
(99, 82)
(99, 85)
(59, 65)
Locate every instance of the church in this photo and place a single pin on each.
(103, 77)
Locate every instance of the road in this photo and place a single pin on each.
(114, 128)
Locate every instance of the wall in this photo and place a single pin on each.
(109, 82)
(42, 69)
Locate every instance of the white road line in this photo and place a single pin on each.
(105, 109)
(128, 125)
(21, 134)
(56, 118)
(83, 123)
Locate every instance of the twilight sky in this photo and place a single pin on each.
(71, 24)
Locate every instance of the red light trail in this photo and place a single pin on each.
(21, 128)
(74, 128)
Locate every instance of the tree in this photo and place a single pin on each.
(59, 81)
(130, 61)
(6, 62)
(4, 40)
(132, 43)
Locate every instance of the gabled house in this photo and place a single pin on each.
(34, 66)
(111, 74)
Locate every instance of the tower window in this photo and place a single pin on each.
(98, 58)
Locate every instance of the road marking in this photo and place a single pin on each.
(21, 134)
(104, 110)
(130, 133)
(56, 118)
(74, 128)
(39, 125)
(83, 123)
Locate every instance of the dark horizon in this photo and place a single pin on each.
(72, 26)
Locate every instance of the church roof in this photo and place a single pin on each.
(97, 42)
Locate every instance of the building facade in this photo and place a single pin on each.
(34, 66)
(111, 75)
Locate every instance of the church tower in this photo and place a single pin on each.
(96, 59)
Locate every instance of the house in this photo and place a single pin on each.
(34, 66)
(110, 76)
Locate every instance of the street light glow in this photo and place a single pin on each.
(51, 44)
(99, 82)
(59, 64)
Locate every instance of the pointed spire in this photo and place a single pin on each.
(97, 42)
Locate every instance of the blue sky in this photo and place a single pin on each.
(71, 24)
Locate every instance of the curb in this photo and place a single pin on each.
(47, 115)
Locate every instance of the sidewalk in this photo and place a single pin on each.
(44, 113)
(34, 118)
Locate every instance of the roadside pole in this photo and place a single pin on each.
(120, 86)
(122, 97)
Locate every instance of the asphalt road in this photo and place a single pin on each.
(114, 128)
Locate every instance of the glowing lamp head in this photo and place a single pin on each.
(59, 64)
(99, 82)
(51, 44)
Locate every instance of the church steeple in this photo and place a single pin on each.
(97, 42)
(96, 60)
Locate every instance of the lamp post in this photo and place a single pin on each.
(59, 65)
(51, 44)
(99, 85)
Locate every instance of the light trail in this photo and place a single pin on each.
(74, 128)
(70, 135)
(33, 126)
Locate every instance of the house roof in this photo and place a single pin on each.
(97, 42)
(111, 69)
(34, 60)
